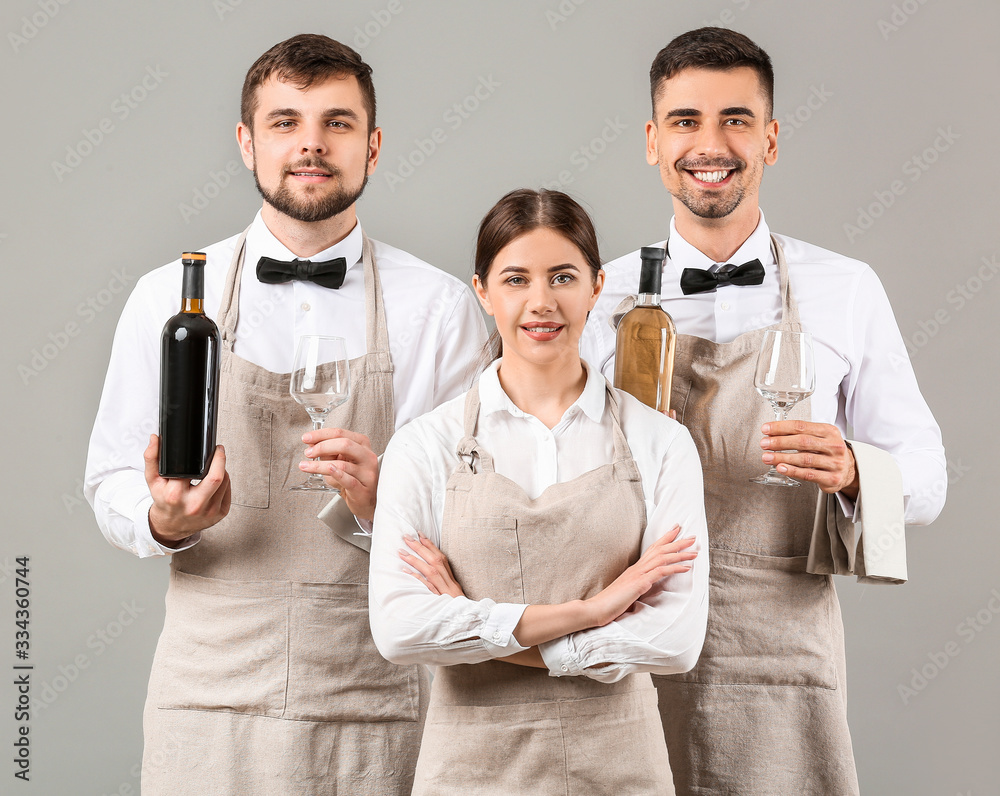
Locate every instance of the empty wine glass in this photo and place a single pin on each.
(786, 374)
(320, 381)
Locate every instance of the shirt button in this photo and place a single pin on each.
(497, 637)
(305, 306)
(565, 668)
(724, 305)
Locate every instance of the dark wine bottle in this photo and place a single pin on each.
(189, 380)
(644, 350)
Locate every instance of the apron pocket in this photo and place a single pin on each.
(335, 672)
(770, 623)
(486, 539)
(223, 646)
(246, 433)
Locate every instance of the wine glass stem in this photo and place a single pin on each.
(780, 414)
(316, 478)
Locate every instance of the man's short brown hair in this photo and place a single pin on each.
(303, 61)
(712, 48)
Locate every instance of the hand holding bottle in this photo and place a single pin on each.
(181, 509)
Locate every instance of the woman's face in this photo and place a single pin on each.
(539, 290)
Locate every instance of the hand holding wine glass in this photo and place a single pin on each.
(320, 381)
(785, 375)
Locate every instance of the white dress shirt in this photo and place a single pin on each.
(436, 332)
(865, 384)
(663, 634)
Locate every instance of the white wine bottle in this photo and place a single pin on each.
(189, 380)
(644, 353)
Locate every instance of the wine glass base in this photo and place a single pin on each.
(307, 487)
(775, 479)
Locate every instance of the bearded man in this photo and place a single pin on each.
(266, 679)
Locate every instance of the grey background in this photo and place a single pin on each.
(863, 88)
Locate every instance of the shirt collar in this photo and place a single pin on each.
(492, 398)
(262, 243)
(757, 246)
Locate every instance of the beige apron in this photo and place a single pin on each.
(499, 728)
(266, 679)
(765, 709)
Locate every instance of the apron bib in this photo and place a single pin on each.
(765, 709)
(499, 728)
(266, 679)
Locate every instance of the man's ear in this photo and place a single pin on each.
(245, 140)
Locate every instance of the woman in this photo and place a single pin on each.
(558, 503)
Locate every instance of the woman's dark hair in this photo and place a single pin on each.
(521, 212)
(712, 48)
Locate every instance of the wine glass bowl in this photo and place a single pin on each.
(320, 381)
(785, 375)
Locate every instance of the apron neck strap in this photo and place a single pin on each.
(229, 310)
(622, 451)
(789, 306)
(468, 447)
(376, 330)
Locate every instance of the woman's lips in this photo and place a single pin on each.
(542, 332)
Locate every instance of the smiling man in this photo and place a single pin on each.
(764, 711)
(266, 679)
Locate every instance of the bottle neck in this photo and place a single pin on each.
(648, 300)
(193, 288)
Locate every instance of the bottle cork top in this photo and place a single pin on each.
(193, 258)
(651, 270)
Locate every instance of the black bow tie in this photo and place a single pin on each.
(695, 280)
(329, 273)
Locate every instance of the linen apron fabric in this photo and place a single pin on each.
(765, 709)
(266, 679)
(499, 728)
